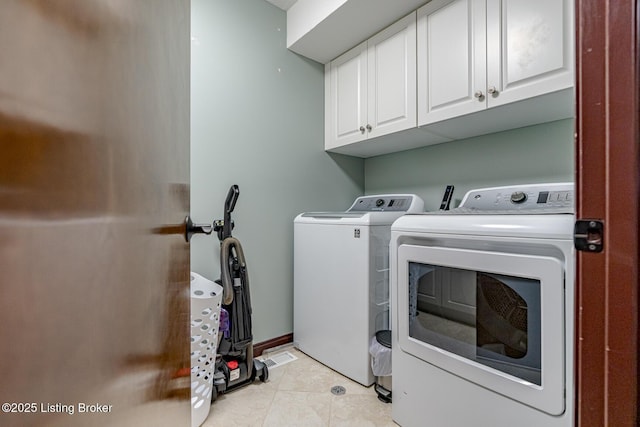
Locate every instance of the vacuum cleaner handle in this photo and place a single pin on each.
(232, 198)
(229, 205)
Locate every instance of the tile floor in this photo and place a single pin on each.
(298, 393)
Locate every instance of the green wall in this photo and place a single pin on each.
(541, 153)
(257, 121)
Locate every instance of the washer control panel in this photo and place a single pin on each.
(388, 203)
(521, 197)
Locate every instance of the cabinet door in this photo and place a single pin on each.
(429, 289)
(451, 59)
(529, 48)
(392, 78)
(459, 294)
(347, 98)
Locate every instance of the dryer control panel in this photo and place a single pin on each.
(530, 197)
(388, 203)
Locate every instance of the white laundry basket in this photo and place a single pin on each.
(206, 297)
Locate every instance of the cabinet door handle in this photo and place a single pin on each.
(493, 91)
(369, 128)
(479, 95)
(361, 129)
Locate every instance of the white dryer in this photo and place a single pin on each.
(482, 311)
(341, 280)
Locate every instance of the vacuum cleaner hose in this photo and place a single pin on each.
(226, 247)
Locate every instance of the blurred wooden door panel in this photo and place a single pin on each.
(94, 156)
(608, 184)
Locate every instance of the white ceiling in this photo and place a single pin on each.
(282, 4)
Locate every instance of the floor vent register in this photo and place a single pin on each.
(279, 359)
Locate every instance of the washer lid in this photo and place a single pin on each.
(379, 209)
(348, 218)
(332, 215)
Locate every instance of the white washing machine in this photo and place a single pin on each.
(482, 309)
(341, 281)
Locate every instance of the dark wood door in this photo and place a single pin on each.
(608, 187)
(94, 171)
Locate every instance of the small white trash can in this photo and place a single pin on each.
(380, 351)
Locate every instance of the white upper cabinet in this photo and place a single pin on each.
(346, 98)
(371, 90)
(451, 58)
(529, 48)
(451, 70)
(479, 54)
(391, 78)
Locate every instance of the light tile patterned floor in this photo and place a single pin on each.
(298, 393)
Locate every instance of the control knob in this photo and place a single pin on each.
(518, 197)
(379, 202)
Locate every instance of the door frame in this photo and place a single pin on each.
(607, 185)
